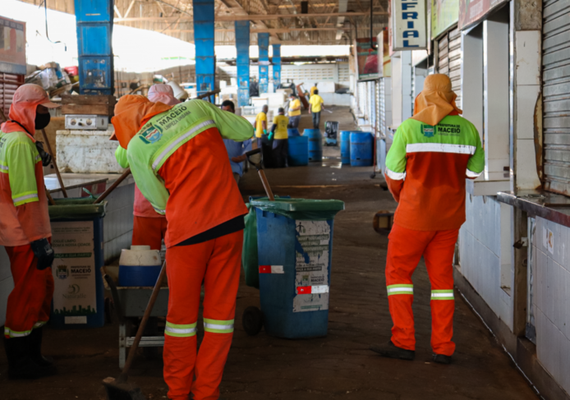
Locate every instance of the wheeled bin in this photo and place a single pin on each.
(294, 238)
(77, 239)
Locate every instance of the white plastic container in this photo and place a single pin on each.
(139, 266)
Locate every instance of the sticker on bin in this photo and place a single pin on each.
(312, 289)
(271, 269)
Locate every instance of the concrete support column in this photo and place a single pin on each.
(204, 41)
(94, 46)
(242, 47)
(263, 43)
(276, 61)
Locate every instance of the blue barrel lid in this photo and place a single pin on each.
(307, 209)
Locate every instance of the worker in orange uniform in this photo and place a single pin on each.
(25, 231)
(149, 227)
(432, 154)
(181, 166)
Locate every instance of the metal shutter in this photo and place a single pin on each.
(449, 61)
(8, 85)
(556, 95)
(382, 107)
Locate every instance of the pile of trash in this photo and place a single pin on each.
(55, 80)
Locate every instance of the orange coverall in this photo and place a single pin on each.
(201, 247)
(432, 155)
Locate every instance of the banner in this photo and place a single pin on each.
(12, 46)
(444, 13)
(367, 59)
(472, 11)
(384, 58)
(409, 25)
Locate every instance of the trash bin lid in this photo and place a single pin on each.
(76, 208)
(307, 209)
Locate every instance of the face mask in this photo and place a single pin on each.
(42, 120)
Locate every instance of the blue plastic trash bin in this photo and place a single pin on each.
(77, 239)
(294, 238)
(345, 147)
(361, 149)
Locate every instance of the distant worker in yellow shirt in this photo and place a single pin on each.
(294, 111)
(280, 139)
(313, 89)
(261, 125)
(317, 105)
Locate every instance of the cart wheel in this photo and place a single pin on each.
(252, 320)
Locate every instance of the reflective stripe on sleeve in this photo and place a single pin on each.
(4, 167)
(25, 198)
(400, 289)
(440, 148)
(471, 174)
(159, 211)
(397, 176)
(218, 326)
(172, 145)
(177, 330)
(442, 294)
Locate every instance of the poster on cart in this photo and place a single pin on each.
(74, 269)
(312, 251)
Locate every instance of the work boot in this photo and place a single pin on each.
(390, 350)
(441, 358)
(20, 364)
(35, 341)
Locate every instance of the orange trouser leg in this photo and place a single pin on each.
(405, 250)
(149, 231)
(439, 262)
(29, 303)
(217, 264)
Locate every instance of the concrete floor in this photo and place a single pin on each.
(339, 366)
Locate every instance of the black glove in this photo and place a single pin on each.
(44, 252)
(46, 157)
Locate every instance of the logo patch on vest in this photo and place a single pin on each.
(428, 130)
(151, 135)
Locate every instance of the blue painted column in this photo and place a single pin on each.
(263, 43)
(242, 47)
(276, 61)
(94, 46)
(204, 41)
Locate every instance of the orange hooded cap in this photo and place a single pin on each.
(435, 101)
(162, 93)
(26, 100)
(131, 113)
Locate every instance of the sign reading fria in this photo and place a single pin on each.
(409, 25)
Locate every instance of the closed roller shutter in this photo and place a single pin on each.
(449, 61)
(556, 95)
(8, 85)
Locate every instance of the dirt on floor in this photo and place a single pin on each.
(338, 366)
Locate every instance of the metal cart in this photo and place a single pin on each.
(130, 303)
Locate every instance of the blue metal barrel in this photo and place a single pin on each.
(345, 147)
(298, 151)
(315, 144)
(361, 149)
(292, 132)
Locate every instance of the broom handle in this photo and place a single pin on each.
(113, 186)
(142, 325)
(59, 178)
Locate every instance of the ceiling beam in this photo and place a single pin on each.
(268, 30)
(229, 18)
